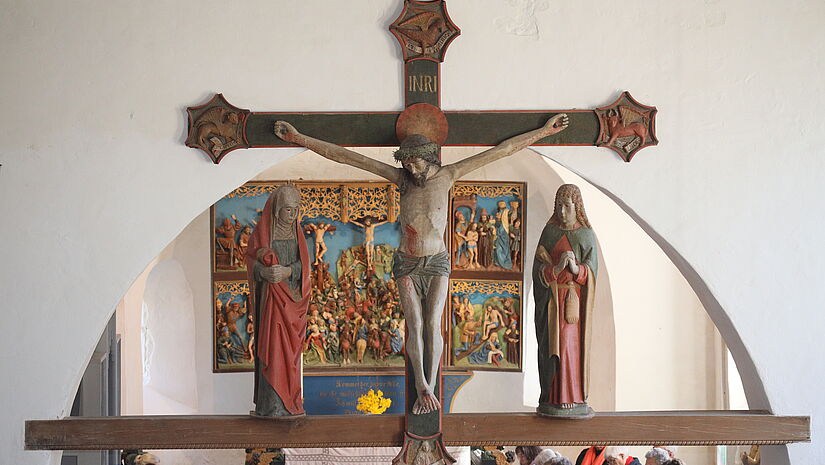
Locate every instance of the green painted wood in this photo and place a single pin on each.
(490, 128)
(347, 129)
(425, 425)
(378, 129)
(421, 85)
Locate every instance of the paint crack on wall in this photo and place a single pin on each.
(523, 21)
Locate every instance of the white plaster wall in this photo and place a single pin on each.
(128, 320)
(169, 385)
(96, 181)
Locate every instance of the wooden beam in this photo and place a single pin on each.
(377, 129)
(239, 432)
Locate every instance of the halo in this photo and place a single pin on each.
(425, 119)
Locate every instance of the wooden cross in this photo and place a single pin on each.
(424, 30)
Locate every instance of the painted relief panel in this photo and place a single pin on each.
(484, 321)
(487, 227)
(354, 321)
(234, 331)
(354, 318)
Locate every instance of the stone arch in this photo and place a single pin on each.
(754, 389)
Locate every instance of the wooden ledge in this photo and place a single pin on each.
(476, 429)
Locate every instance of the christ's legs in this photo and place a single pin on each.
(411, 304)
(434, 305)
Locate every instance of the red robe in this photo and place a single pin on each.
(566, 387)
(281, 316)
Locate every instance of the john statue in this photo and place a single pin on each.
(421, 265)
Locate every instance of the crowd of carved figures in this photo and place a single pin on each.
(356, 320)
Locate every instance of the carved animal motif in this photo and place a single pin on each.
(217, 123)
(423, 29)
(616, 128)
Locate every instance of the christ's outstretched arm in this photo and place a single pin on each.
(510, 146)
(337, 153)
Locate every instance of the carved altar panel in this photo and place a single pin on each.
(484, 320)
(355, 321)
(487, 227)
(233, 330)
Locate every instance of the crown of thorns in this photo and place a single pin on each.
(418, 146)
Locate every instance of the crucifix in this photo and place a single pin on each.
(421, 264)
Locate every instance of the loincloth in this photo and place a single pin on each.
(420, 269)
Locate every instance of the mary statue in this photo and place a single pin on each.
(564, 279)
(278, 266)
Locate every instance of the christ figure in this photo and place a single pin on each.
(369, 237)
(421, 264)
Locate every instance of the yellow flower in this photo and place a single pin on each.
(373, 402)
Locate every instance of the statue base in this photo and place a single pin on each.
(426, 451)
(282, 417)
(577, 412)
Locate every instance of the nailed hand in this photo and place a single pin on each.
(557, 124)
(285, 131)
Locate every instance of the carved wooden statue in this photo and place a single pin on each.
(564, 280)
(421, 265)
(278, 264)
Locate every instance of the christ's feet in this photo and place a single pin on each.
(425, 403)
